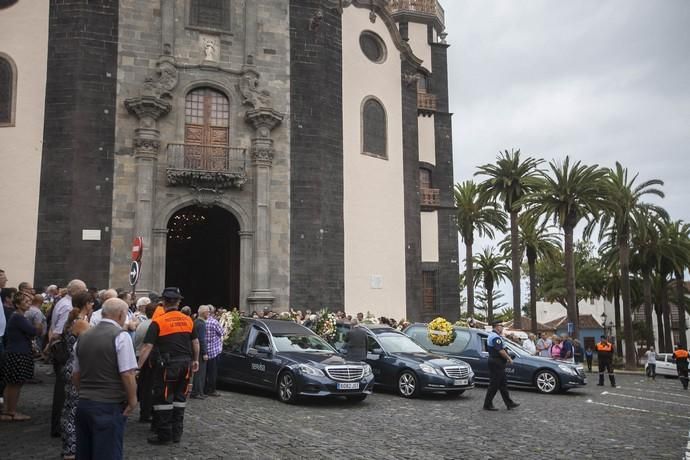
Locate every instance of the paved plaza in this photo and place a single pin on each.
(639, 420)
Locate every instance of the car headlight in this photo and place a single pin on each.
(567, 369)
(367, 370)
(308, 370)
(428, 369)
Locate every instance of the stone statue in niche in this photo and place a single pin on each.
(210, 45)
(163, 80)
(251, 94)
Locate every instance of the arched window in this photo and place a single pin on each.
(424, 178)
(374, 129)
(206, 133)
(8, 88)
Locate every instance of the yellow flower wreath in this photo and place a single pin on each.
(441, 332)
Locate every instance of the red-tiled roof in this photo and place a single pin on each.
(525, 325)
(586, 322)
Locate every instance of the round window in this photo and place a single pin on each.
(372, 47)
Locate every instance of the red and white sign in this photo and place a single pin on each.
(137, 248)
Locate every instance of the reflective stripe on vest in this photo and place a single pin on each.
(174, 322)
(604, 347)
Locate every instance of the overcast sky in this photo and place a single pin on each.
(599, 80)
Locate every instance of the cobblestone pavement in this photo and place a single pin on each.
(639, 420)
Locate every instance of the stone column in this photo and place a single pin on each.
(263, 120)
(157, 258)
(146, 147)
(246, 266)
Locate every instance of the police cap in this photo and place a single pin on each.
(172, 293)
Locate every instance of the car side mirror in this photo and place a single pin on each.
(377, 351)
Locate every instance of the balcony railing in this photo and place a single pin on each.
(426, 102)
(421, 7)
(206, 166)
(429, 197)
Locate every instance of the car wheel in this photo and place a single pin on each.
(455, 394)
(408, 384)
(546, 382)
(287, 388)
(356, 398)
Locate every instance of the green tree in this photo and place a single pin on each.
(677, 252)
(476, 214)
(571, 193)
(509, 179)
(538, 241)
(624, 203)
(492, 269)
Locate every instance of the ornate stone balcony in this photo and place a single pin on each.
(429, 198)
(424, 10)
(426, 103)
(206, 166)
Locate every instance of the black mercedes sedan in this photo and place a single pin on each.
(291, 360)
(401, 364)
(545, 374)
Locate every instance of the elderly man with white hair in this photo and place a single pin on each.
(105, 377)
(61, 311)
(97, 315)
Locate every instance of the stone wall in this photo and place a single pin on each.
(77, 164)
(316, 230)
(151, 29)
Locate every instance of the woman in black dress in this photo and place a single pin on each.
(18, 366)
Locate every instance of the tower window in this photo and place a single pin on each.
(372, 46)
(374, 129)
(8, 88)
(210, 14)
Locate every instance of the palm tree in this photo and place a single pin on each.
(537, 241)
(624, 200)
(570, 194)
(644, 243)
(476, 213)
(508, 181)
(677, 250)
(492, 270)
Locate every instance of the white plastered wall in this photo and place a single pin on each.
(24, 39)
(429, 224)
(419, 43)
(373, 187)
(427, 139)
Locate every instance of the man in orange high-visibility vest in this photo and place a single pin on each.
(681, 357)
(175, 358)
(605, 357)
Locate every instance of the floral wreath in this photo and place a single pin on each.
(441, 332)
(325, 325)
(230, 322)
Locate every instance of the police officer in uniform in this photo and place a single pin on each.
(175, 358)
(498, 358)
(605, 357)
(681, 356)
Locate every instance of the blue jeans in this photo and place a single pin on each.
(100, 430)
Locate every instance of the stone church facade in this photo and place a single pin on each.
(270, 153)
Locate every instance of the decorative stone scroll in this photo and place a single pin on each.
(248, 88)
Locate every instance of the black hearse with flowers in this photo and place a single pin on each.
(293, 361)
(401, 364)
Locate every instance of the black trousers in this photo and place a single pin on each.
(683, 375)
(58, 401)
(170, 399)
(211, 375)
(145, 390)
(605, 364)
(589, 363)
(497, 382)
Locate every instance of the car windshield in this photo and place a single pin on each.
(399, 343)
(421, 336)
(308, 343)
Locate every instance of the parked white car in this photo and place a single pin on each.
(665, 365)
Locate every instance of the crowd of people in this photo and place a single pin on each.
(109, 353)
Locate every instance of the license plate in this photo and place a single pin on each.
(348, 386)
(460, 382)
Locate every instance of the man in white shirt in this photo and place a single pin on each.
(98, 314)
(61, 311)
(651, 363)
(544, 345)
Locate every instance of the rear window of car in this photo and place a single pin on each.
(420, 335)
